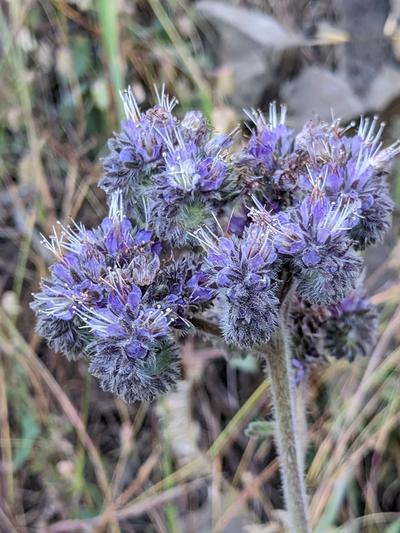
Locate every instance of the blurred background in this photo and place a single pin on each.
(73, 458)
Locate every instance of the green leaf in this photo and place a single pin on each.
(260, 428)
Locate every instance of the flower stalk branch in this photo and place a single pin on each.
(287, 435)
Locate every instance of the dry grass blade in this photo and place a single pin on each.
(355, 439)
(249, 492)
(181, 48)
(135, 509)
(5, 440)
(142, 476)
(19, 348)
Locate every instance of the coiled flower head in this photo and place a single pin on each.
(191, 184)
(351, 329)
(169, 173)
(259, 163)
(354, 168)
(243, 271)
(136, 379)
(135, 153)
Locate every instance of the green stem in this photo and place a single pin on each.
(287, 436)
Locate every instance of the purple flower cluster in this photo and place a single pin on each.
(99, 303)
(170, 172)
(354, 169)
(298, 208)
(135, 153)
(318, 198)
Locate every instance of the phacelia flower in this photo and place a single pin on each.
(259, 163)
(243, 271)
(108, 299)
(64, 336)
(136, 379)
(191, 185)
(170, 172)
(317, 236)
(354, 168)
(351, 329)
(136, 151)
(132, 353)
(306, 326)
(87, 262)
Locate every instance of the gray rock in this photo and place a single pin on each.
(251, 46)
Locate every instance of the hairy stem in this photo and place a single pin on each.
(289, 433)
(288, 438)
(301, 418)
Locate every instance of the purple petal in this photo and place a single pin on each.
(256, 262)
(323, 235)
(134, 297)
(311, 257)
(156, 248)
(217, 260)
(116, 303)
(106, 225)
(143, 236)
(62, 273)
(135, 350)
(223, 279)
(127, 155)
(115, 330)
(226, 245)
